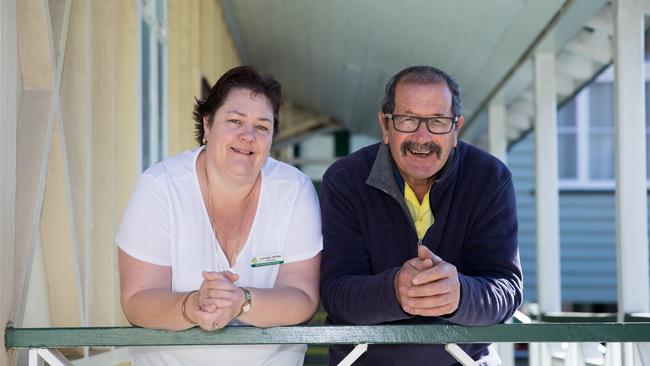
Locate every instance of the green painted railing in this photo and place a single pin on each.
(384, 334)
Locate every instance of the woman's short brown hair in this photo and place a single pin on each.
(240, 77)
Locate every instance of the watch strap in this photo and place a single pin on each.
(246, 306)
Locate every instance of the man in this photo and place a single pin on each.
(420, 228)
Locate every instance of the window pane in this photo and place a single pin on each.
(601, 105)
(146, 97)
(567, 156)
(601, 156)
(566, 115)
(647, 103)
(647, 126)
(160, 12)
(647, 157)
(161, 100)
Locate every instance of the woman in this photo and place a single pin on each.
(223, 234)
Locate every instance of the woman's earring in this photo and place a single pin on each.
(205, 140)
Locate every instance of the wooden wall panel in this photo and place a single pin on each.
(184, 73)
(59, 247)
(199, 45)
(9, 71)
(32, 148)
(127, 131)
(75, 114)
(33, 45)
(103, 251)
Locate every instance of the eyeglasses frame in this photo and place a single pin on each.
(454, 121)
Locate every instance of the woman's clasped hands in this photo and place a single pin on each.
(219, 300)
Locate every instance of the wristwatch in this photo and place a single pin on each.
(246, 306)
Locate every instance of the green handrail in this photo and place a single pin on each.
(380, 334)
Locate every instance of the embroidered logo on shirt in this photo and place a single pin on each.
(267, 260)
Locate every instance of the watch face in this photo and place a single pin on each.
(246, 307)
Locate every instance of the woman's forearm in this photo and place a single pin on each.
(280, 306)
(160, 309)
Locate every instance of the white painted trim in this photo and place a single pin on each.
(506, 352)
(582, 136)
(153, 92)
(88, 205)
(459, 354)
(546, 183)
(158, 140)
(631, 177)
(165, 89)
(52, 356)
(9, 102)
(139, 106)
(356, 352)
(497, 140)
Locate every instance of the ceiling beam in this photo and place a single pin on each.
(572, 65)
(298, 122)
(592, 46)
(602, 21)
(522, 107)
(565, 85)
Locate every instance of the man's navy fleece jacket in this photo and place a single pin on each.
(368, 234)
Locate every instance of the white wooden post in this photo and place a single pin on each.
(497, 140)
(546, 184)
(631, 181)
(498, 145)
(631, 186)
(546, 191)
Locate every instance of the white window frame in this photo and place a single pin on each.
(158, 142)
(583, 181)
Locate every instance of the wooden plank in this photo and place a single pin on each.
(630, 142)
(35, 47)
(381, 334)
(100, 261)
(9, 102)
(75, 109)
(546, 183)
(59, 249)
(126, 114)
(34, 135)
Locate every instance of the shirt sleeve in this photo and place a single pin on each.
(303, 239)
(350, 291)
(491, 285)
(145, 230)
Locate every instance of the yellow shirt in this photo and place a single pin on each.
(421, 213)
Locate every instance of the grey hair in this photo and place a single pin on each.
(421, 75)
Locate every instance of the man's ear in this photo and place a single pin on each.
(383, 125)
(206, 125)
(459, 125)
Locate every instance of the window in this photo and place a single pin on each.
(586, 136)
(153, 82)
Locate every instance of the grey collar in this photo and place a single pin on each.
(381, 177)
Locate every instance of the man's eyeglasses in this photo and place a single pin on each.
(409, 124)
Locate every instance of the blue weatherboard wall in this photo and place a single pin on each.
(587, 235)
